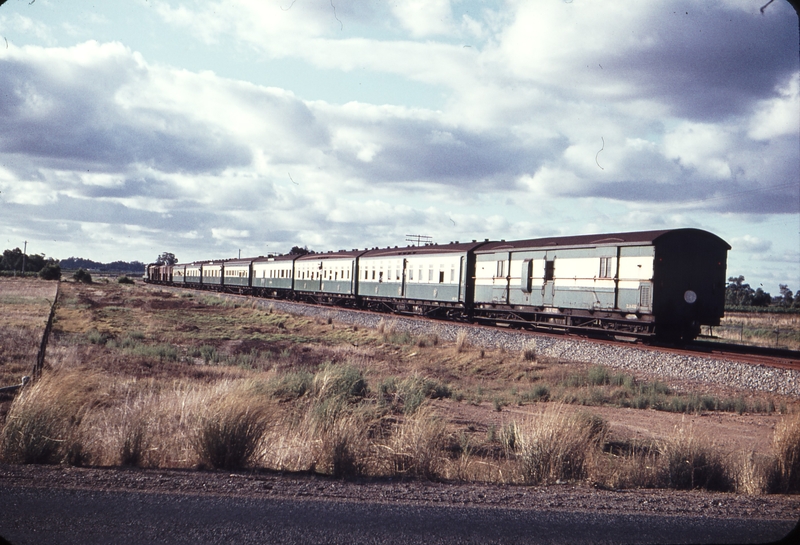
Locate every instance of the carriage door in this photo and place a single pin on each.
(548, 287)
(500, 280)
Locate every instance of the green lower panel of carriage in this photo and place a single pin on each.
(237, 281)
(421, 291)
(336, 287)
(273, 283)
(380, 289)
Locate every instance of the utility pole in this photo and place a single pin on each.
(24, 255)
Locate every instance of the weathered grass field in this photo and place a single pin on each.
(136, 376)
(24, 308)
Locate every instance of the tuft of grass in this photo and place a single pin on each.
(786, 446)
(43, 424)
(689, 464)
(461, 341)
(340, 381)
(529, 353)
(410, 393)
(229, 434)
(415, 446)
(558, 446)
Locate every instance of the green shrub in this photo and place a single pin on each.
(51, 271)
(125, 280)
(292, 385)
(82, 276)
(340, 381)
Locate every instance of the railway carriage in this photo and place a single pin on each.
(433, 279)
(236, 275)
(193, 273)
(664, 282)
(327, 278)
(211, 274)
(273, 276)
(179, 273)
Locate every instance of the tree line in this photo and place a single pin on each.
(740, 294)
(16, 262)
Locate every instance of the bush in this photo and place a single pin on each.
(42, 426)
(51, 271)
(557, 447)
(345, 382)
(82, 276)
(690, 464)
(125, 280)
(229, 434)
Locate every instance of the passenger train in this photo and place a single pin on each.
(646, 284)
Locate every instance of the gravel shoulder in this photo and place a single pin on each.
(298, 486)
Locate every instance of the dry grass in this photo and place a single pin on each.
(415, 445)
(786, 446)
(558, 446)
(228, 433)
(24, 308)
(246, 387)
(44, 423)
(689, 463)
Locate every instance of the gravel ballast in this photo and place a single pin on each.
(696, 368)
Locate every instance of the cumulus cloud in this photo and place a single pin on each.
(555, 117)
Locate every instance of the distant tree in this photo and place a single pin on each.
(761, 298)
(737, 293)
(82, 276)
(12, 260)
(80, 263)
(787, 298)
(51, 271)
(167, 258)
(297, 250)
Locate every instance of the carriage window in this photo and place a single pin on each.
(452, 273)
(549, 270)
(441, 277)
(430, 274)
(605, 267)
(380, 276)
(501, 266)
(410, 274)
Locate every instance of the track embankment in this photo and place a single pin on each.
(668, 363)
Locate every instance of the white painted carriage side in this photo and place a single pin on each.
(486, 272)
(325, 269)
(633, 270)
(272, 269)
(237, 271)
(212, 270)
(381, 269)
(434, 269)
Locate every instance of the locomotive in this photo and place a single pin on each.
(645, 284)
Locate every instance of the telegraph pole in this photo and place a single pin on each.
(24, 255)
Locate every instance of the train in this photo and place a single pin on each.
(662, 284)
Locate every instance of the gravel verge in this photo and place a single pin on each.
(697, 368)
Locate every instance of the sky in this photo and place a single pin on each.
(207, 128)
